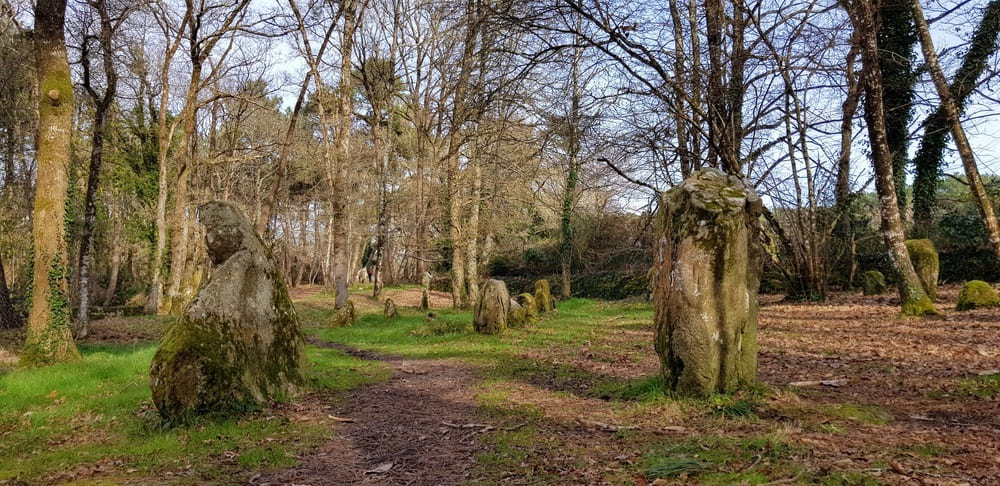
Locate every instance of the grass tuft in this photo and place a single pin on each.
(670, 467)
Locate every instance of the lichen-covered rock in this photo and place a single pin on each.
(527, 301)
(390, 311)
(516, 317)
(873, 283)
(925, 262)
(977, 294)
(490, 315)
(543, 296)
(238, 344)
(707, 262)
(344, 316)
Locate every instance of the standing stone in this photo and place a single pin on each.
(530, 307)
(344, 316)
(543, 296)
(390, 311)
(238, 344)
(517, 316)
(491, 311)
(425, 298)
(707, 264)
(873, 283)
(925, 262)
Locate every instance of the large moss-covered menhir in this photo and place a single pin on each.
(925, 261)
(707, 262)
(543, 297)
(977, 294)
(238, 344)
(492, 309)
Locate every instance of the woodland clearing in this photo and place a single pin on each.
(849, 394)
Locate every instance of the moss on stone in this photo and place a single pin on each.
(527, 301)
(707, 269)
(344, 316)
(238, 345)
(490, 316)
(919, 307)
(543, 297)
(516, 317)
(390, 311)
(977, 294)
(873, 283)
(926, 264)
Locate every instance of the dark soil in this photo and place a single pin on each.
(418, 428)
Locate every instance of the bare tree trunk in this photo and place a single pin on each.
(460, 115)
(102, 103)
(164, 136)
(116, 262)
(957, 132)
(345, 111)
(472, 244)
(913, 300)
(843, 188)
(49, 339)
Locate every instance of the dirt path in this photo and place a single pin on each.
(414, 429)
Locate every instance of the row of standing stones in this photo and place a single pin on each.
(238, 344)
(975, 294)
(496, 310)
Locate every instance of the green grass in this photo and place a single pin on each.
(449, 334)
(981, 387)
(721, 459)
(64, 418)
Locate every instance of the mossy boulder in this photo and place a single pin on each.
(490, 314)
(925, 262)
(344, 316)
(977, 294)
(873, 283)
(516, 317)
(708, 262)
(527, 301)
(543, 297)
(390, 311)
(238, 344)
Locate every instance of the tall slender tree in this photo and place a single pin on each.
(102, 104)
(928, 159)
(913, 299)
(951, 111)
(49, 338)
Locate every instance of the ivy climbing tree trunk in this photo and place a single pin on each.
(49, 339)
(896, 39)
(913, 300)
(957, 132)
(927, 162)
(8, 317)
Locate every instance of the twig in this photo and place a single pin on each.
(608, 427)
(516, 427)
(485, 427)
(340, 419)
